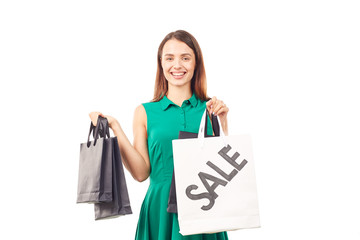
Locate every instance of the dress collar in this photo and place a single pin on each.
(165, 102)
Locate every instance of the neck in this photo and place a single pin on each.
(178, 94)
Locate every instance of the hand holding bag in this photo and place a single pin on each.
(218, 192)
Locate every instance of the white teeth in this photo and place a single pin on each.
(178, 74)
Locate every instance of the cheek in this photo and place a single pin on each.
(165, 67)
(191, 67)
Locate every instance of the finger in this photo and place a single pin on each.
(213, 101)
(223, 111)
(94, 117)
(210, 104)
(94, 122)
(94, 113)
(217, 106)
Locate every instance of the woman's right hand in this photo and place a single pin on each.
(134, 157)
(94, 118)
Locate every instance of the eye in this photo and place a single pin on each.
(169, 59)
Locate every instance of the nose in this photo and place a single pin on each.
(177, 63)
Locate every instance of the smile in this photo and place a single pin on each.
(178, 73)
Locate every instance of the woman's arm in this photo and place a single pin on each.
(135, 157)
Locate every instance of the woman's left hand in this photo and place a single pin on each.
(218, 108)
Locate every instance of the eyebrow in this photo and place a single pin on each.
(183, 54)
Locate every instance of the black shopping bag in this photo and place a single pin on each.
(172, 203)
(95, 168)
(120, 204)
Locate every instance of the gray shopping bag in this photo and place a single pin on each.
(95, 167)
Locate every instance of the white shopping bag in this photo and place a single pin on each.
(215, 183)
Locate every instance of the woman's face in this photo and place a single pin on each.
(178, 63)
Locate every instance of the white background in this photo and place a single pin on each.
(288, 70)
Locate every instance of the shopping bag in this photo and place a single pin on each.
(120, 205)
(95, 168)
(172, 203)
(101, 174)
(215, 183)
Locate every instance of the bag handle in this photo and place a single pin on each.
(214, 123)
(202, 128)
(101, 130)
(102, 127)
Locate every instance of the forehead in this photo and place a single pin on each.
(175, 47)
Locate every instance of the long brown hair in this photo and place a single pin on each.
(198, 81)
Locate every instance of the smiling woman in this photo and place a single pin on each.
(180, 99)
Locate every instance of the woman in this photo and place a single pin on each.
(179, 101)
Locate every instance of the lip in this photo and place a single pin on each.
(178, 75)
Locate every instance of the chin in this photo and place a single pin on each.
(179, 83)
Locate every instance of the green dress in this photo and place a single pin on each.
(164, 121)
